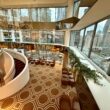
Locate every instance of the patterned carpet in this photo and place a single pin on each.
(42, 91)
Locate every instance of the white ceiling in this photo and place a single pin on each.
(32, 3)
(99, 10)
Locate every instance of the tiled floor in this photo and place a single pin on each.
(42, 91)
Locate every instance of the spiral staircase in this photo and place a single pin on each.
(14, 66)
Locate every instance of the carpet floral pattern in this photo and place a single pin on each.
(42, 91)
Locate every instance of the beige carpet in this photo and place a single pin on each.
(42, 92)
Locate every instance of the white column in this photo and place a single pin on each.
(69, 14)
(67, 37)
(13, 35)
(10, 18)
(70, 8)
(39, 36)
(54, 35)
(20, 36)
(1, 35)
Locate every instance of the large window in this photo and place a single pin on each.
(24, 15)
(87, 39)
(76, 8)
(60, 13)
(15, 16)
(10, 15)
(52, 37)
(7, 36)
(35, 14)
(72, 39)
(81, 39)
(49, 14)
(82, 11)
(26, 36)
(59, 37)
(101, 45)
(75, 38)
(30, 36)
(43, 36)
(2, 12)
(46, 36)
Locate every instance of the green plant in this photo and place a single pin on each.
(89, 74)
(84, 70)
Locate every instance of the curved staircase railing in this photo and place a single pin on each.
(7, 66)
(19, 81)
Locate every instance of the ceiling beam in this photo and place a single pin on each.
(37, 25)
(28, 25)
(73, 20)
(66, 23)
(32, 3)
(99, 11)
(87, 3)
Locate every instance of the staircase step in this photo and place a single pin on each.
(19, 66)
